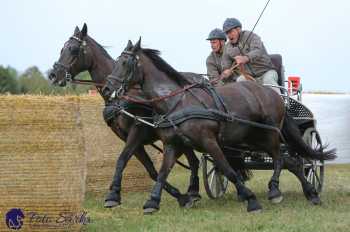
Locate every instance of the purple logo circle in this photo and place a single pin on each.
(14, 219)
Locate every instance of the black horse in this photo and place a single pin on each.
(208, 119)
(82, 53)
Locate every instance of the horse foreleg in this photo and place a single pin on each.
(170, 156)
(193, 188)
(133, 141)
(143, 157)
(211, 147)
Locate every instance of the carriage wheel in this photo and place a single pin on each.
(215, 183)
(314, 169)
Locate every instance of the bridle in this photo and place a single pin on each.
(68, 77)
(132, 62)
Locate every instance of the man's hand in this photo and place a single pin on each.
(241, 59)
(226, 73)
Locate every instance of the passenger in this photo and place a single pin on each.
(217, 40)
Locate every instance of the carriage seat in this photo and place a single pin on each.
(277, 62)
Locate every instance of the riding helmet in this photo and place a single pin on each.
(217, 34)
(231, 23)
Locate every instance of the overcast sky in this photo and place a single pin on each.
(312, 35)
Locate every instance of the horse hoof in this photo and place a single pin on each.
(274, 193)
(150, 206)
(185, 201)
(195, 197)
(190, 203)
(111, 204)
(149, 211)
(277, 200)
(254, 206)
(256, 211)
(316, 201)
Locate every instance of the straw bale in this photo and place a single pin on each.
(42, 159)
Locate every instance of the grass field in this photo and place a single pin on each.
(227, 214)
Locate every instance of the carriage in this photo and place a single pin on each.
(216, 184)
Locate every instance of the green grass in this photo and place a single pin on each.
(227, 214)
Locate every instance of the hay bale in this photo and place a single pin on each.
(103, 148)
(42, 160)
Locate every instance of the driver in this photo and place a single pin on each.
(246, 48)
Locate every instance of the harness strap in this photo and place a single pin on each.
(199, 113)
(87, 82)
(219, 101)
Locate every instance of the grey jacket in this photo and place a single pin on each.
(259, 60)
(214, 68)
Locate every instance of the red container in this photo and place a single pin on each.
(293, 84)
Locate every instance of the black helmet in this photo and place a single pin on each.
(231, 23)
(217, 34)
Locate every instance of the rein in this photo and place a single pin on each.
(157, 99)
(86, 82)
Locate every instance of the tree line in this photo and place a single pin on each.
(33, 81)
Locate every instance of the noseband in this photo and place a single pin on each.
(67, 69)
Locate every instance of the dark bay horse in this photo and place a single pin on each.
(243, 105)
(82, 53)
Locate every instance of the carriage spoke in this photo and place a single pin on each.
(309, 173)
(213, 184)
(217, 186)
(211, 178)
(211, 171)
(221, 181)
(317, 178)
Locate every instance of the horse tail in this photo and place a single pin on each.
(294, 140)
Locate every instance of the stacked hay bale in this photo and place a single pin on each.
(52, 149)
(103, 148)
(42, 160)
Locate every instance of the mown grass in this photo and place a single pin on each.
(227, 214)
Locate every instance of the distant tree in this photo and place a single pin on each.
(8, 80)
(32, 81)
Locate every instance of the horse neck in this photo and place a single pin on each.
(158, 84)
(102, 65)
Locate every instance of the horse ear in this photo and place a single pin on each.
(84, 30)
(128, 46)
(76, 30)
(137, 45)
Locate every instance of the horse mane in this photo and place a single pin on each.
(102, 49)
(154, 56)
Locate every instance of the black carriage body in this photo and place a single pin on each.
(305, 120)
